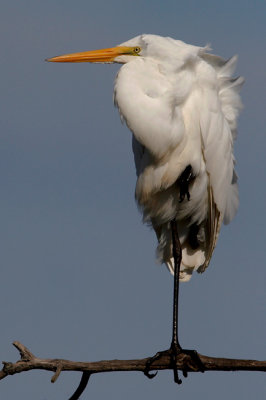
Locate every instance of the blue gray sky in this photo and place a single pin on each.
(79, 278)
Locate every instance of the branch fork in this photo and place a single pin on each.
(29, 361)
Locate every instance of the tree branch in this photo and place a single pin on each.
(29, 361)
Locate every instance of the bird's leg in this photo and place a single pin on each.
(183, 181)
(177, 255)
(175, 348)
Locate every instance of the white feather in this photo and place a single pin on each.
(181, 105)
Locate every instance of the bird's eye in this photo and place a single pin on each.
(137, 50)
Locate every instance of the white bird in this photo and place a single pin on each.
(181, 104)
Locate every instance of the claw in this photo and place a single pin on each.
(176, 377)
(150, 376)
(193, 354)
(173, 353)
(195, 357)
(148, 365)
(184, 373)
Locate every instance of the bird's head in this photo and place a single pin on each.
(164, 50)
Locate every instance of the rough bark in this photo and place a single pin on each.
(29, 361)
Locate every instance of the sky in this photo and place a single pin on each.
(79, 278)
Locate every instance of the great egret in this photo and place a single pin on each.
(181, 104)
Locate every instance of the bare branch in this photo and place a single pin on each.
(29, 362)
(24, 352)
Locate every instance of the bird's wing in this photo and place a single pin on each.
(219, 108)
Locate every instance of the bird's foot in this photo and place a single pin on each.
(190, 359)
(183, 182)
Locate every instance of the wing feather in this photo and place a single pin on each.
(220, 106)
(219, 109)
(213, 226)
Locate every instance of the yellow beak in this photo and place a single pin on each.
(95, 56)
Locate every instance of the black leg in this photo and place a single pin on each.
(175, 348)
(177, 255)
(183, 182)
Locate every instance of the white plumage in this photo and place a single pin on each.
(181, 104)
